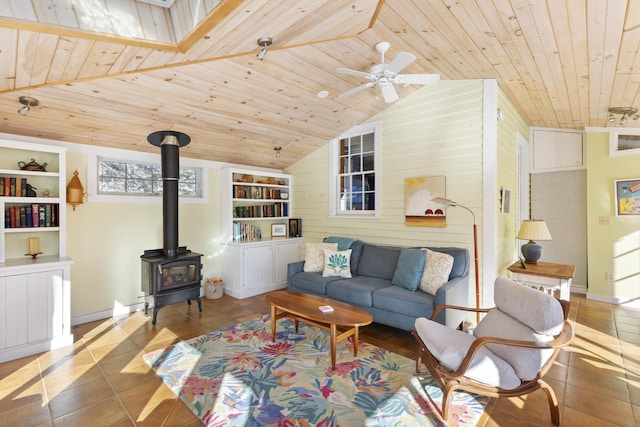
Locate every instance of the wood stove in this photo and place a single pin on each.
(173, 273)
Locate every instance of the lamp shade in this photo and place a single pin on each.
(533, 230)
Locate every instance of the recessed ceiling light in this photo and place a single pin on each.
(323, 94)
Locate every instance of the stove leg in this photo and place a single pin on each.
(199, 305)
(146, 308)
(155, 314)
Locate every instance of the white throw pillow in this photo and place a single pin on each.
(337, 263)
(436, 271)
(314, 256)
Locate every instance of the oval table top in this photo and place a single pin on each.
(308, 306)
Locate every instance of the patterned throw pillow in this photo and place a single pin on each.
(314, 256)
(337, 263)
(436, 271)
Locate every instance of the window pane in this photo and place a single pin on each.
(367, 143)
(368, 162)
(121, 177)
(356, 145)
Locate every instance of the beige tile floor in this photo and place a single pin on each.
(102, 381)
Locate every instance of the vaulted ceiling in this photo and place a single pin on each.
(110, 72)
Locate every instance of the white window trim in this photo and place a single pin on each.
(334, 168)
(134, 156)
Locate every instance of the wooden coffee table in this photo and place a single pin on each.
(306, 308)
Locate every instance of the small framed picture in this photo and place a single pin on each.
(295, 229)
(278, 230)
(627, 197)
(506, 201)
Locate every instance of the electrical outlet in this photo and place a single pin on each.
(609, 276)
(604, 220)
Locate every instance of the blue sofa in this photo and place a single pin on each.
(370, 287)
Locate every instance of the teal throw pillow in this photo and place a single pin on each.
(409, 268)
(337, 263)
(344, 243)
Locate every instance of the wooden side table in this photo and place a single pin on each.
(545, 276)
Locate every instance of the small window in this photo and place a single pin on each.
(122, 177)
(355, 172)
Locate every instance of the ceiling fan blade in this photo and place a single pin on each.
(389, 93)
(416, 79)
(356, 90)
(356, 73)
(399, 62)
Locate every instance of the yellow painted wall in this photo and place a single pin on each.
(508, 129)
(613, 248)
(436, 131)
(106, 240)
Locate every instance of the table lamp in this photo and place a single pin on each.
(532, 230)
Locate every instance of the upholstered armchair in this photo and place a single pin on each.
(511, 349)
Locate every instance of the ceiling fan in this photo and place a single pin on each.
(384, 76)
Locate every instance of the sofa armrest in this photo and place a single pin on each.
(454, 292)
(293, 268)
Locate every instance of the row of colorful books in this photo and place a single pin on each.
(246, 232)
(249, 192)
(15, 187)
(274, 210)
(33, 215)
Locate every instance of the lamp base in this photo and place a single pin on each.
(531, 252)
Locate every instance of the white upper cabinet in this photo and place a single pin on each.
(557, 150)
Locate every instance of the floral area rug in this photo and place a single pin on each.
(238, 377)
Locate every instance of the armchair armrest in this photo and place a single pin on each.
(441, 307)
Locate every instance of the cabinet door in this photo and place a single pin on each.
(33, 308)
(557, 150)
(285, 253)
(257, 264)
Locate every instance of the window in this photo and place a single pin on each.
(123, 177)
(355, 172)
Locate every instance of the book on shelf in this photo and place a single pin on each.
(23, 217)
(7, 219)
(29, 216)
(12, 186)
(35, 215)
(47, 215)
(41, 215)
(18, 187)
(1, 186)
(12, 217)
(23, 187)
(7, 186)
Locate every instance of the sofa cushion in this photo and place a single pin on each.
(314, 256)
(450, 346)
(436, 271)
(409, 269)
(312, 283)
(337, 263)
(357, 290)
(397, 299)
(378, 261)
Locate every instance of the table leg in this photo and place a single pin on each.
(273, 323)
(333, 346)
(296, 323)
(355, 342)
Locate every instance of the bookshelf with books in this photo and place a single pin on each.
(34, 291)
(254, 203)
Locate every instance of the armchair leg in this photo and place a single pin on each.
(553, 402)
(418, 362)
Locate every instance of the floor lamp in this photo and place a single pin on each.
(450, 203)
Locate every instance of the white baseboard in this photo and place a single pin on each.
(100, 315)
(633, 303)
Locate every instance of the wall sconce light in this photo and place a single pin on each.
(277, 149)
(264, 43)
(27, 102)
(625, 112)
(75, 191)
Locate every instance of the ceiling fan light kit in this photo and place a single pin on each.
(264, 42)
(384, 76)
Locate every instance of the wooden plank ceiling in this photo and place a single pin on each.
(109, 72)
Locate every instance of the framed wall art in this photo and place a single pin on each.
(506, 201)
(627, 193)
(420, 210)
(278, 230)
(295, 227)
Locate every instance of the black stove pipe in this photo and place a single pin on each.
(169, 143)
